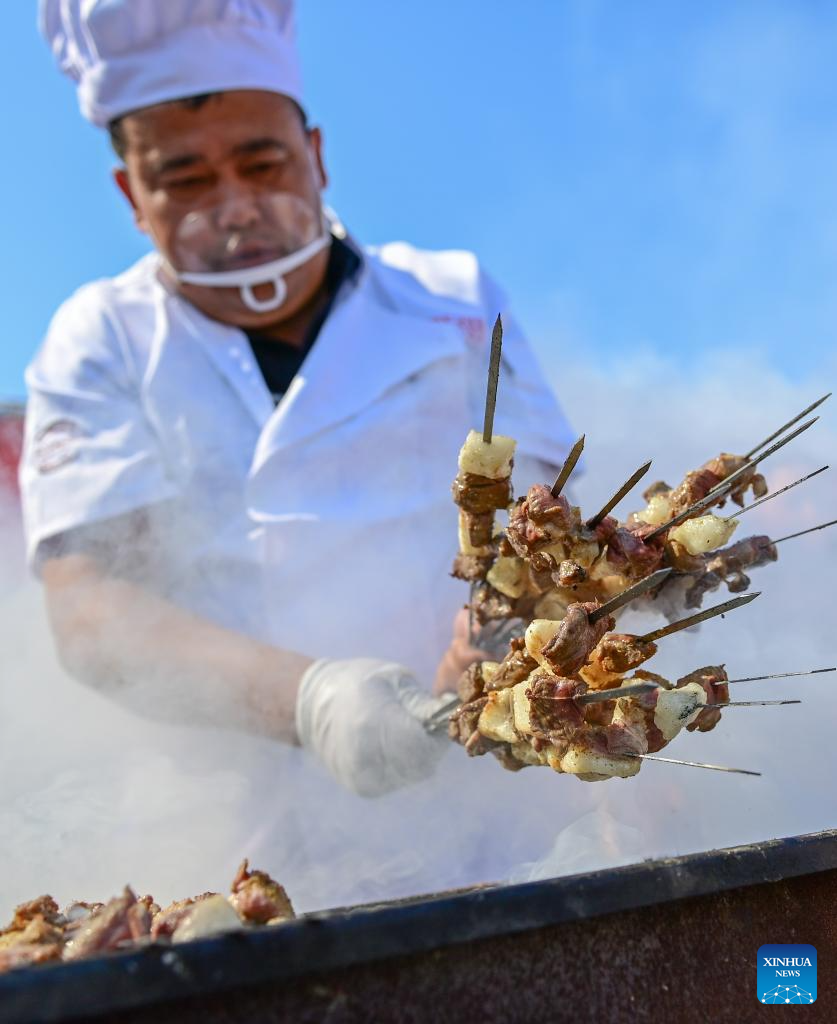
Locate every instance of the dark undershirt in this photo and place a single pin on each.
(280, 361)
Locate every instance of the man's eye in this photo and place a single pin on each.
(193, 181)
(264, 167)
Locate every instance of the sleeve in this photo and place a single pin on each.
(527, 407)
(89, 451)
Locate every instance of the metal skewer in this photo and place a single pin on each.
(724, 484)
(471, 591)
(811, 529)
(779, 675)
(692, 764)
(750, 703)
(488, 425)
(620, 494)
(776, 494)
(600, 696)
(717, 492)
(568, 467)
(440, 717)
(628, 595)
(789, 424)
(493, 379)
(693, 620)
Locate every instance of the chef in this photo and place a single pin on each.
(239, 450)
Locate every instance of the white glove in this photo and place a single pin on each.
(363, 719)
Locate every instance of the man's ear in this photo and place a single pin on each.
(123, 183)
(315, 137)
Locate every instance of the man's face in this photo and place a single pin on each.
(226, 183)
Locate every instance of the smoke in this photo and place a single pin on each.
(93, 796)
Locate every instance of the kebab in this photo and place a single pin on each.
(481, 488)
(561, 698)
(39, 932)
(550, 556)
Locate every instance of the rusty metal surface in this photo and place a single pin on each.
(674, 936)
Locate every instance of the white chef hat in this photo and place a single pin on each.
(128, 54)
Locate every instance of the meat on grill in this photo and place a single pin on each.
(575, 638)
(480, 494)
(553, 714)
(164, 923)
(471, 568)
(517, 665)
(727, 566)
(122, 920)
(38, 932)
(713, 680)
(540, 519)
(257, 898)
(613, 656)
(629, 554)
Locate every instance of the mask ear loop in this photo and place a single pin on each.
(280, 291)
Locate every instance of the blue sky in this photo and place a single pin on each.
(644, 178)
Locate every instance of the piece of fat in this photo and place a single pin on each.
(527, 754)
(657, 511)
(489, 670)
(582, 761)
(703, 533)
(520, 707)
(509, 575)
(584, 553)
(492, 460)
(596, 677)
(210, 916)
(496, 721)
(629, 713)
(553, 757)
(676, 708)
(538, 634)
(553, 604)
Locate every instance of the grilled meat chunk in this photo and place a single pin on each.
(575, 638)
(480, 494)
(120, 921)
(258, 898)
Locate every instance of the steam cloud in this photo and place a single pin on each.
(92, 796)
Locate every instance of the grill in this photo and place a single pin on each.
(665, 940)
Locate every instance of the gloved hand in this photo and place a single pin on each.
(363, 719)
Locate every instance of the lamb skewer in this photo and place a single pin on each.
(718, 492)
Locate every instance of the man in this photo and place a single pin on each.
(238, 452)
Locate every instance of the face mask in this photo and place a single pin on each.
(247, 242)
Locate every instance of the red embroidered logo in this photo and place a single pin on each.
(472, 327)
(56, 445)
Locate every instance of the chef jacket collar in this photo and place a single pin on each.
(365, 348)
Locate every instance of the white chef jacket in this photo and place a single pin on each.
(324, 524)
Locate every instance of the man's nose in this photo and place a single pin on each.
(238, 209)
